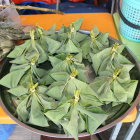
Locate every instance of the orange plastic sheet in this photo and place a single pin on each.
(4, 119)
(104, 22)
(131, 117)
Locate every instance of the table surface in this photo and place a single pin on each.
(103, 21)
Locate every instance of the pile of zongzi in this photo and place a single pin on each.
(67, 79)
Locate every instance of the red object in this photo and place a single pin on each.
(95, 2)
(98, 2)
(77, 0)
(46, 1)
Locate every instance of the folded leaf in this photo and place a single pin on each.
(19, 50)
(103, 39)
(25, 80)
(81, 124)
(77, 24)
(61, 67)
(53, 45)
(36, 115)
(55, 90)
(47, 104)
(19, 60)
(69, 47)
(72, 125)
(46, 80)
(43, 56)
(96, 31)
(78, 57)
(22, 111)
(57, 114)
(54, 60)
(80, 37)
(94, 124)
(15, 67)
(98, 58)
(102, 87)
(94, 119)
(12, 79)
(85, 46)
(82, 75)
(130, 89)
(60, 76)
(119, 92)
(18, 91)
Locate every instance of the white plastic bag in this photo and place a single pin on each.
(9, 14)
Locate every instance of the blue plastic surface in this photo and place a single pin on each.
(131, 11)
(67, 7)
(6, 130)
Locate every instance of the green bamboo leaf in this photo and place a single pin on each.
(62, 36)
(19, 50)
(98, 58)
(42, 54)
(19, 60)
(122, 59)
(82, 75)
(119, 92)
(42, 89)
(57, 114)
(18, 91)
(52, 29)
(22, 111)
(46, 79)
(62, 56)
(89, 97)
(55, 90)
(80, 37)
(31, 54)
(95, 119)
(25, 80)
(106, 65)
(103, 39)
(75, 42)
(77, 24)
(98, 110)
(72, 125)
(47, 104)
(39, 71)
(124, 76)
(62, 29)
(85, 46)
(94, 124)
(102, 87)
(78, 57)
(130, 89)
(54, 60)
(36, 115)
(60, 76)
(53, 45)
(12, 79)
(69, 47)
(81, 124)
(96, 30)
(15, 67)
(61, 67)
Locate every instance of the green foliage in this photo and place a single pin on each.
(52, 76)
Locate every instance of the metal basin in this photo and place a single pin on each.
(8, 107)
